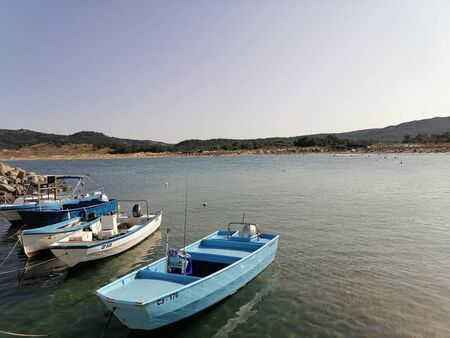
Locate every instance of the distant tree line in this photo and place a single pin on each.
(428, 138)
(330, 141)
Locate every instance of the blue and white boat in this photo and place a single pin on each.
(39, 239)
(86, 209)
(190, 280)
(51, 195)
(110, 236)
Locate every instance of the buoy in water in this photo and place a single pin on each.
(204, 204)
(166, 184)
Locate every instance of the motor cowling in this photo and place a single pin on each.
(248, 230)
(179, 262)
(137, 210)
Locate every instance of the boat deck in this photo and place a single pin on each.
(139, 290)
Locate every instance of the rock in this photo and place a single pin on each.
(14, 172)
(4, 168)
(7, 188)
(21, 173)
(33, 179)
(20, 190)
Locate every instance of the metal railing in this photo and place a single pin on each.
(258, 233)
(134, 201)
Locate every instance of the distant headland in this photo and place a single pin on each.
(422, 136)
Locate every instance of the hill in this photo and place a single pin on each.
(422, 131)
(390, 134)
(14, 139)
(436, 125)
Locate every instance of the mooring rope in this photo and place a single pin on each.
(15, 234)
(31, 266)
(9, 254)
(23, 334)
(108, 322)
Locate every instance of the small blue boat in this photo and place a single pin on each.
(188, 281)
(85, 209)
(52, 195)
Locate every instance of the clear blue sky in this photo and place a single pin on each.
(172, 70)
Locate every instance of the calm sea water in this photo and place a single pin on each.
(364, 247)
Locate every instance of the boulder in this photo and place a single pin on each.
(21, 173)
(7, 188)
(33, 179)
(4, 168)
(14, 172)
(20, 190)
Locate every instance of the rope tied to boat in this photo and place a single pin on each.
(31, 266)
(9, 254)
(17, 232)
(14, 334)
(108, 322)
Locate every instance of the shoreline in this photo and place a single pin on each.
(36, 153)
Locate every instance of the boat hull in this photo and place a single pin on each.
(12, 211)
(34, 243)
(10, 215)
(193, 298)
(38, 218)
(72, 254)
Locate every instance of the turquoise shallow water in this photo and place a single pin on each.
(364, 246)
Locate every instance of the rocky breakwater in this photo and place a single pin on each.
(16, 182)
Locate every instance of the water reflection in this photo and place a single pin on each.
(45, 270)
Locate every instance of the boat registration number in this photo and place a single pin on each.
(161, 301)
(106, 245)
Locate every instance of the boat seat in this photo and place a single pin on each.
(214, 258)
(171, 277)
(226, 244)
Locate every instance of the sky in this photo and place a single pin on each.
(173, 70)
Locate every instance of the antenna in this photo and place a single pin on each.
(184, 261)
(167, 249)
(243, 217)
(185, 203)
(185, 209)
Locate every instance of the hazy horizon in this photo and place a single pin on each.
(169, 71)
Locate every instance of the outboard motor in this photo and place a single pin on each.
(179, 262)
(249, 230)
(137, 210)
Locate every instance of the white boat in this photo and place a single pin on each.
(38, 239)
(111, 236)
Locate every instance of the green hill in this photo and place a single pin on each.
(14, 139)
(421, 131)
